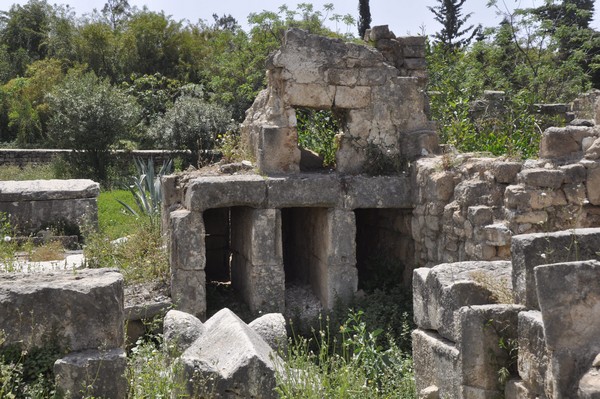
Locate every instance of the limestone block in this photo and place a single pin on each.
(225, 191)
(575, 193)
(593, 186)
(540, 177)
(186, 241)
(440, 186)
(352, 97)
(505, 172)
(83, 308)
(516, 389)
(592, 151)
(480, 251)
(421, 315)
(431, 392)
(92, 373)
(450, 286)
(257, 259)
(530, 218)
(589, 385)
(271, 327)
(533, 355)
(497, 234)
(180, 330)
(480, 329)
(46, 190)
(569, 298)
(380, 32)
(309, 95)
(523, 198)
(377, 192)
(531, 250)
(188, 290)
(303, 190)
(235, 356)
(436, 363)
(563, 142)
(574, 173)
(480, 215)
(278, 150)
(473, 192)
(343, 77)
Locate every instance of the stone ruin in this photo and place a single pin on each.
(252, 229)
(470, 233)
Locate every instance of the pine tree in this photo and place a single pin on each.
(364, 20)
(449, 14)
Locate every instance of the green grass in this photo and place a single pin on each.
(113, 220)
(29, 172)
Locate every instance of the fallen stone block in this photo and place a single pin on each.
(487, 343)
(92, 373)
(436, 363)
(531, 250)
(450, 286)
(569, 298)
(589, 385)
(228, 360)
(271, 327)
(180, 330)
(83, 308)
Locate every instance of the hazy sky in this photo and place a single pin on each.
(403, 16)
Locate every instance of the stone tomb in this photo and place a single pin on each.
(266, 233)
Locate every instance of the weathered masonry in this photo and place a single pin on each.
(284, 228)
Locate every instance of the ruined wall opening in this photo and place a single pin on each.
(224, 230)
(384, 248)
(317, 130)
(305, 249)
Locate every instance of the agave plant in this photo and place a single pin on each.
(146, 188)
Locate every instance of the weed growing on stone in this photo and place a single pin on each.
(141, 256)
(149, 372)
(354, 365)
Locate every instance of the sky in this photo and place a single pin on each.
(404, 17)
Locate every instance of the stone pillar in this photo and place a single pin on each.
(188, 259)
(341, 278)
(257, 260)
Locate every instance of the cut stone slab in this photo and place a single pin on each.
(436, 363)
(450, 286)
(569, 298)
(480, 329)
(531, 250)
(181, 329)
(92, 373)
(44, 190)
(241, 363)
(83, 306)
(225, 191)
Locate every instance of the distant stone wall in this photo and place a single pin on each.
(23, 157)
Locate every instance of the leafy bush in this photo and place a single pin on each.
(191, 124)
(89, 116)
(316, 132)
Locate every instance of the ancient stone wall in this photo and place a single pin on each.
(526, 330)
(376, 93)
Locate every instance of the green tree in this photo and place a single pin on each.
(117, 12)
(24, 29)
(89, 116)
(364, 19)
(191, 124)
(453, 34)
